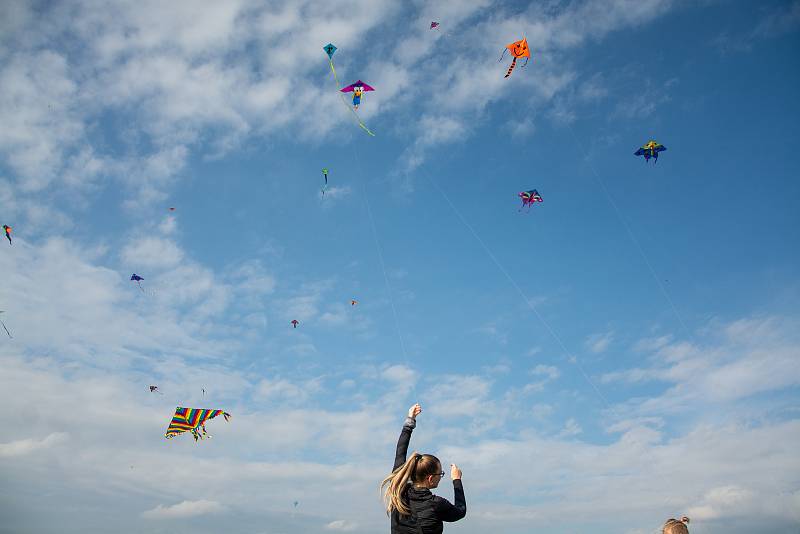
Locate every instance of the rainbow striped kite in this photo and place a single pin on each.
(193, 420)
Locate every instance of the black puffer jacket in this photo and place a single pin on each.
(428, 511)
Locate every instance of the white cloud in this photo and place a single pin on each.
(541, 411)
(523, 128)
(728, 364)
(28, 446)
(491, 330)
(285, 390)
(725, 499)
(780, 20)
(335, 193)
(400, 374)
(598, 343)
(548, 372)
(571, 428)
(183, 510)
(342, 525)
(459, 395)
(151, 253)
(39, 126)
(302, 308)
(207, 78)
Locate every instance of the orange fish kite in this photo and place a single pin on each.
(517, 49)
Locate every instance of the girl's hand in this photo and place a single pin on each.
(455, 472)
(414, 411)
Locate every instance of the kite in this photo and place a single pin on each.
(650, 150)
(193, 420)
(325, 187)
(353, 302)
(330, 49)
(7, 228)
(4, 327)
(434, 25)
(517, 49)
(138, 279)
(358, 88)
(529, 198)
(171, 209)
(154, 389)
(295, 322)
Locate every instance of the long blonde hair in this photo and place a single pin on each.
(417, 468)
(673, 526)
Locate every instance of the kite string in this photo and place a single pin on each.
(528, 302)
(383, 266)
(630, 233)
(571, 358)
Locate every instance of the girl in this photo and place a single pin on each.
(409, 502)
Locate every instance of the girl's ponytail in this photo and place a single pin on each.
(416, 469)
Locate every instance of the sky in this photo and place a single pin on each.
(624, 352)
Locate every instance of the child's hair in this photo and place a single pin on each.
(417, 468)
(674, 526)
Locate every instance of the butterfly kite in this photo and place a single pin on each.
(517, 49)
(138, 279)
(330, 49)
(295, 322)
(192, 420)
(529, 198)
(434, 25)
(7, 228)
(650, 150)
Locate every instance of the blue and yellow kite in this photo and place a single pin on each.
(650, 150)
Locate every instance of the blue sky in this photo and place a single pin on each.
(625, 352)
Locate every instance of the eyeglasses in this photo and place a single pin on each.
(440, 474)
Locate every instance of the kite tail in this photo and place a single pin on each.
(199, 432)
(335, 77)
(511, 68)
